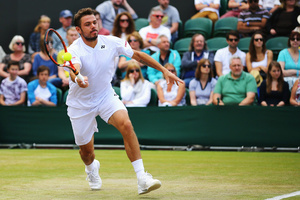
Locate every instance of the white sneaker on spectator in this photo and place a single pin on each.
(146, 183)
(93, 177)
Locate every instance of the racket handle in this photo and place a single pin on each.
(79, 76)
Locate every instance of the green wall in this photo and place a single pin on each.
(178, 126)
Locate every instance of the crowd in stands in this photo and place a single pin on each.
(226, 76)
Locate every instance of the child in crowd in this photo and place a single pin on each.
(13, 88)
(40, 91)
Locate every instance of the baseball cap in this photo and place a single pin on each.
(65, 14)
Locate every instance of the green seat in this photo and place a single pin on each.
(216, 43)
(180, 30)
(199, 25)
(276, 44)
(59, 96)
(223, 7)
(182, 45)
(140, 23)
(244, 44)
(153, 99)
(64, 100)
(117, 91)
(223, 26)
(187, 97)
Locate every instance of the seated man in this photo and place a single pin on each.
(150, 33)
(223, 55)
(236, 88)
(163, 56)
(253, 19)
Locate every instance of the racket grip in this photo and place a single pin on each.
(79, 76)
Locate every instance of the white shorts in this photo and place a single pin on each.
(84, 122)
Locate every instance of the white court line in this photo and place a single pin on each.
(285, 196)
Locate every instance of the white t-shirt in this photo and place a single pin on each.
(43, 93)
(269, 3)
(153, 33)
(208, 2)
(223, 55)
(98, 64)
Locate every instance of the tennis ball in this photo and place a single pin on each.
(67, 56)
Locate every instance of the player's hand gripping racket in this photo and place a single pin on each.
(66, 57)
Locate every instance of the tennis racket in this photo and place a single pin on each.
(48, 42)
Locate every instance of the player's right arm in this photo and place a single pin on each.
(79, 82)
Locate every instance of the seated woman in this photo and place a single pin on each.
(289, 59)
(170, 94)
(202, 86)
(295, 94)
(135, 90)
(274, 91)
(258, 57)
(123, 25)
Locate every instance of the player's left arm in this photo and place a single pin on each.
(149, 61)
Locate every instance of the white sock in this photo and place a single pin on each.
(138, 167)
(89, 168)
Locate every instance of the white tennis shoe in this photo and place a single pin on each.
(93, 177)
(146, 183)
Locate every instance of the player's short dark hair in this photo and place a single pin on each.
(42, 68)
(81, 13)
(234, 33)
(13, 62)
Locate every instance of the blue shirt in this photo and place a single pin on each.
(285, 56)
(38, 61)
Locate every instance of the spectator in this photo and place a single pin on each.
(150, 33)
(207, 8)
(283, 20)
(65, 18)
(135, 90)
(258, 57)
(136, 43)
(2, 53)
(270, 5)
(109, 9)
(72, 35)
(40, 91)
(274, 91)
(289, 59)
(42, 58)
(123, 25)
(102, 30)
(190, 59)
(235, 88)
(223, 56)
(38, 32)
(202, 86)
(13, 88)
(253, 19)
(163, 56)
(171, 18)
(295, 94)
(170, 94)
(236, 6)
(17, 46)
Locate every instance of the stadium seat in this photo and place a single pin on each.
(182, 45)
(223, 7)
(216, 43)
(223, 26)
(154, 98)
(64, 100)
(244, 44)
(276, 44)
(180, 30)
(187, 97)
(59, 96)
(199, 25)
(140, 23)
(117, 91)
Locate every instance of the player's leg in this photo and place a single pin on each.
(121, 121)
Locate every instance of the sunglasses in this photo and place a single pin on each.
(124, 20)
(132, 70)
(158, 16)
(172, 70)
(132, 41)
(205, 66)
(295, 39)
(258, 39)
(231, 40)
(20, 43)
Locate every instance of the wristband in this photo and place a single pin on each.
(248, 23)
(150, 40)
(240, 4)
(297, 73)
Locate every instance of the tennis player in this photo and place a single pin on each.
(94, 57)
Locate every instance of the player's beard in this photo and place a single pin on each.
(91, 39)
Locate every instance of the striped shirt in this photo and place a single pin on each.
(256, 16)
